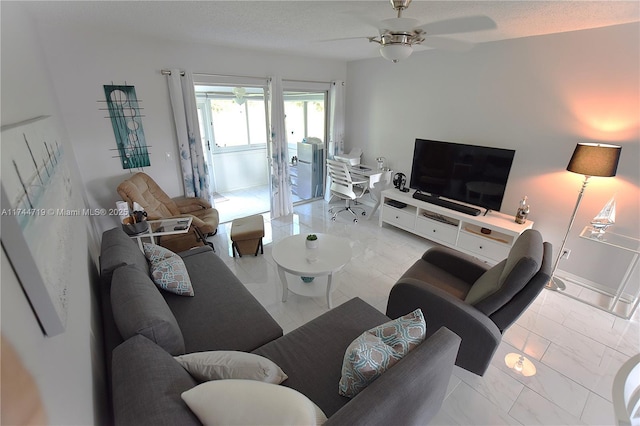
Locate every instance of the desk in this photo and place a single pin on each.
(625, 243)
(379, 180)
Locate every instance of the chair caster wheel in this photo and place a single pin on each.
(364, 213)
(355, 220)
(333, 219)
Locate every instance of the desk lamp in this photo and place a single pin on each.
(588, 159)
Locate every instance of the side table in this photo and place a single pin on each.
(293, 257)
(625, 243)
(158, 228)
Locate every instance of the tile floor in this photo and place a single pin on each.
(234, 204)
(576, 348)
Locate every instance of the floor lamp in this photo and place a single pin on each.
(588, 159)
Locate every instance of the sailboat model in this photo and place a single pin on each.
(605, 218)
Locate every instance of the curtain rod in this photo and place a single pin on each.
(228, 75)
(168, 72)
(306, 81)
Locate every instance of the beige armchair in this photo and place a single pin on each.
(142, 189)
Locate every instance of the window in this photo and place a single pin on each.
(231, 118)
(305, 115)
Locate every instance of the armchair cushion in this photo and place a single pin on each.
(499, 284)
(441, 278)
(191, 204)
(140, 188)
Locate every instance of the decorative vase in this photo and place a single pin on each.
(311, 244)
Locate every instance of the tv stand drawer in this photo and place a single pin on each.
(401, 218)
(437, 231)
(483, 246)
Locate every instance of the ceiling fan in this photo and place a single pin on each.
(399, 35)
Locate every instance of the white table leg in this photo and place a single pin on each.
(285, 287)
(329, 290)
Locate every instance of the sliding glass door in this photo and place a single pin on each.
(305, 107)
(233, 125)
(234, 134)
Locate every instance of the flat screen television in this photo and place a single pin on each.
(471, 174)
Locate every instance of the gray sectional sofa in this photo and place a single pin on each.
(146, 381)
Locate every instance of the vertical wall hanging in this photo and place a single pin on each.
(126, 119)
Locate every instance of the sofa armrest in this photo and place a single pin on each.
(480, 336)
(409, 393)
(460, 265)
(191, 204)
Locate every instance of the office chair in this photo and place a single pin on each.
(343, 186)
(377, 184)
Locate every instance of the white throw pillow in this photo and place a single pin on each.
(247, 402)
(215, 365)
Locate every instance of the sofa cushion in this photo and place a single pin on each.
(168, 270)
(312, 354)
(138, 308)
(223, 315)
(512, 274)
(118, 249)
(247, 402)
(378, 349)
(217, 365)
(147, 383)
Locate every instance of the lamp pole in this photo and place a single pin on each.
(556, 283)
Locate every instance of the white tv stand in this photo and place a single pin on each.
(451, 228)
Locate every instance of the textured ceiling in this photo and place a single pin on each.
(310, 28)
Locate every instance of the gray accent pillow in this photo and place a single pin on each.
(139, 308)
(524, 260)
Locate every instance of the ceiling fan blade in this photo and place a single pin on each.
(465, 24)
(397, 24)
(443, 43)
(343, 39)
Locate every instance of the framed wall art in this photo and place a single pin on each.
(126, 119)
(39, 211)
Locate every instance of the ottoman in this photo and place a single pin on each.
(246, 235)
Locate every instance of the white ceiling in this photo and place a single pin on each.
(307, 27)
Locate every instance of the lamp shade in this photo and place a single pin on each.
(594, 159)
(396, 52)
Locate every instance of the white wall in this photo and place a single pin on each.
(67, 368)
(538, 95)
(81, 65)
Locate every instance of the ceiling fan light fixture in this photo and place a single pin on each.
(396, 52)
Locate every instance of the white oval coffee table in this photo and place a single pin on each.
(292, 256)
